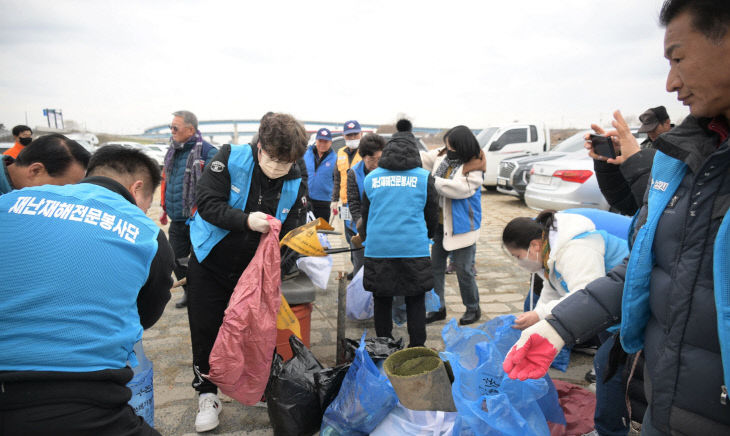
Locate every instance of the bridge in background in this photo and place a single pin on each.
(234, 129)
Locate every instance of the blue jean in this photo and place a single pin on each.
(462, 259)
(611, 412)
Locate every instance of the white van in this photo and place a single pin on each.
(511, 140)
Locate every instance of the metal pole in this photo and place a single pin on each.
(341, 316)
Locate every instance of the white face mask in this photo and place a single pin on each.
(528, 264)
(352, 143)
(271, 168)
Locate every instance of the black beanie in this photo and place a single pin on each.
(403, 125)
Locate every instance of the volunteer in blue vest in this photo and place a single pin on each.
(241, 186)
(399, 216)
(49, 160)
(347, 157)
(84, 271)
(458, 170)
(370, 150)
(672, 296)
(321, 163)
(186, 157)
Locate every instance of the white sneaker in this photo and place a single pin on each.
(209, 406)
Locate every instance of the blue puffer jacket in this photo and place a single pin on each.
(174, 184)
(681, 341)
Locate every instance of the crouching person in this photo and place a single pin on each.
(399, 215)
(242, 184)
(84, 271)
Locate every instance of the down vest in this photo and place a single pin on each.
(173, 199)
(683, 372)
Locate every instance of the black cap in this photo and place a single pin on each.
(652, 118)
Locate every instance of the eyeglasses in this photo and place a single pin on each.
(174, 128)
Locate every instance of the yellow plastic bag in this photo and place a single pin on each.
(286, 320)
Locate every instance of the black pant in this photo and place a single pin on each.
(62, 417)
(179, 236)
(416, 312)
(321, 209)
(208, 296)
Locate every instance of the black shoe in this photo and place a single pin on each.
(591, 376)
(471, 316)
(436, 316)
(350, 275)
(183, 302)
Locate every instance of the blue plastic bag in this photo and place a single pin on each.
(366, 397)
(433, 304)
(359, 301)
(142, 387)
(488, 401)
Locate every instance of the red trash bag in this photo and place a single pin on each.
(240, 361)
(579, 406)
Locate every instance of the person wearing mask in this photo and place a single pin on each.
(49, 160)
(370, 150)
(320, 162)
(671, 295)
(23, 136)
(186, 157)
(84, 271)
(241, 186)
(347, 157)
(458, 170)
(565, 250)
(399, 215)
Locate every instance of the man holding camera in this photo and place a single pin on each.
(672, 295)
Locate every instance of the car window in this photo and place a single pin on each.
(486, 135)
(533, 134)
(570, 144)
(512, 136)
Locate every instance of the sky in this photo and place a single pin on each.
(122, 66)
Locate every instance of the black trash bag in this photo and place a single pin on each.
(377, 348)
(328, 382)
(291, 394)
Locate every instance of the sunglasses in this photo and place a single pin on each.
(175, 129)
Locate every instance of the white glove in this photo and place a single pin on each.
(533, 353)
(257, 222)
(333, 208)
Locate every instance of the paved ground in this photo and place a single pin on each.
(502, 289)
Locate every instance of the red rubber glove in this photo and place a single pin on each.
(533, 353)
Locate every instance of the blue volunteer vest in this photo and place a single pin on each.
(74, 260)
(396, 224)
(204, 235)
(613, 223)
(320, 180)
(616, 251)
(359, 170)
(667, 174)
(466, 213)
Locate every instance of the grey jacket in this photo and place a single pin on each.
(683, 371)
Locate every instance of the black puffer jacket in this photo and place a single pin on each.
(683, 371)
(623, 186)
(401, 276)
